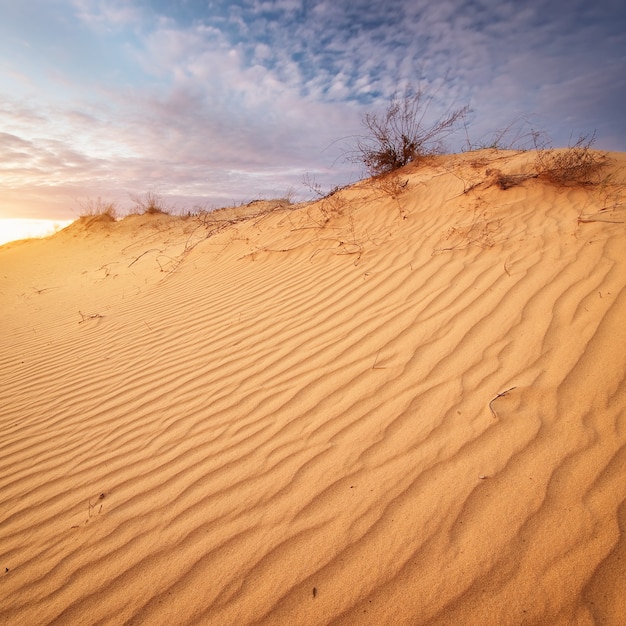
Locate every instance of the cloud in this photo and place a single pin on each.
(227, 100)
(109, 15)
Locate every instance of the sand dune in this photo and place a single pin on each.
(403, 404)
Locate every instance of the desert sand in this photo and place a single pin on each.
(402, 404)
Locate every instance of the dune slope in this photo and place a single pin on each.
(403, 404)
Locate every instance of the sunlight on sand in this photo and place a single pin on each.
(403, 404)
(12, 229)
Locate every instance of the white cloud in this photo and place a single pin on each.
(240, 98)
(107, 13)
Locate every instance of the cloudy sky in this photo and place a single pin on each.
(211, 102)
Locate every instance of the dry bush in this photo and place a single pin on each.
(290, 195)
(150, 203)
(401, 135)
(578, 164)
(390, 184)
(97, 208)
(506, 181)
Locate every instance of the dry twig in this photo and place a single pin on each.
(500, 395)
(86, 317)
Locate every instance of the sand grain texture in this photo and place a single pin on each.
(403, 404)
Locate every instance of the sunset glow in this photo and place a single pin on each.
(212, 103)
(13, 229)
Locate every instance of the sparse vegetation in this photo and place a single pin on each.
(480, 231)
(150, 203)
(313, 185)
(89, 316)
(390, 184)
(514, 136)
(402, 134)
(506, 181)
(398, 137)
(290, 195)
(98, 207)
(329, 203)
(578, 164)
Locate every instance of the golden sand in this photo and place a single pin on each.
(403, 404)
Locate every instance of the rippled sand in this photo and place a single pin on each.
(404, 404)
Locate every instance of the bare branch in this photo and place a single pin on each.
(401, 135)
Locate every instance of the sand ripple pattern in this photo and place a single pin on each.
(384, 408)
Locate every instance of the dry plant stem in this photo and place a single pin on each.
(143, 254)
(588, 220)
(107, 269)
(98, 207)
(467, 185)
(511, 137)
(136, 242)
(151, 203)
(92, 507)
(174, 262)
(374, 367)
(500, 395)
(94, 316)
(40, 291)
(401, 135)
(205, 221)
(578, 164)
(506, 181)
(471, 234)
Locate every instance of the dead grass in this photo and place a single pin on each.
(150, 204)
(479, 231)
(578, 164)
(390, 184)
(517, 135)
(506, 181)
(402, 134)
(98, 208)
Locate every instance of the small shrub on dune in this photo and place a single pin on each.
(578, 164)
(149, 204)
(401, 135)
(91, 208)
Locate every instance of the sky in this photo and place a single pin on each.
(210, 103)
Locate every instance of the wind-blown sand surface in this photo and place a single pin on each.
(404, 404)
